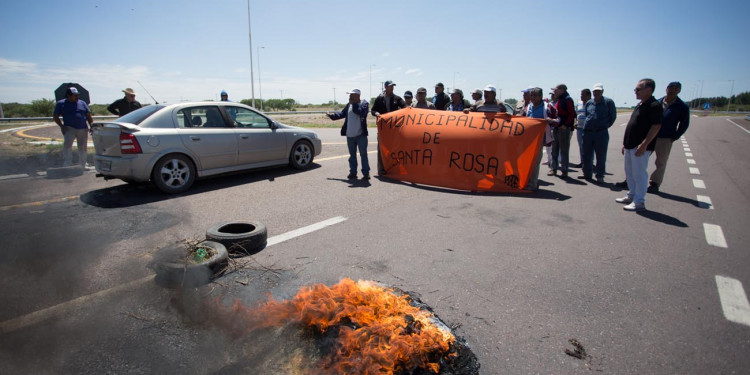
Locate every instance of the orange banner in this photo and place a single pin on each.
(479, 151)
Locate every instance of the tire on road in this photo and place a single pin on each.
(174, 173)
(240, 238)
(174, 271)
(302, 155)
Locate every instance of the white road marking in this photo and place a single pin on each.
(699, 184)
(13, 176)
(40, 315)
(694, 171)
(341, 156)
(687, 149)
(305, 230)
(714, 235)
(691, 161)
(688, 154)
(738, 125)
(704, 201)
(733, 300)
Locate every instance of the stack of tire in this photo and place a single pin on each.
(229, 239)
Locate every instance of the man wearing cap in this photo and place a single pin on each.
(520, 109)
(458, 103)
(386, 102)
(489, 104)
(561, 130)
(601, 114)
(122, 107)
(476, 95)
(674, 124)
(422, 100)
(638, 144)
(75, 116)
(441, 99)
(355, 131)
(408, 98)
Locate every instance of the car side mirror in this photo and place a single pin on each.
(274, 125)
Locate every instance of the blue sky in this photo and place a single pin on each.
(191, 50)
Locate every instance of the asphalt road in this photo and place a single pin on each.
(518, 275)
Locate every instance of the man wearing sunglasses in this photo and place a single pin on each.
(638, 144)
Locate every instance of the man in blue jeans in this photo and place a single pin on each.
(355, 131)
(600, 116)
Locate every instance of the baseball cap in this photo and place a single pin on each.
(72, 91)
(408, 94)
(526, 90)
(477, 91)
(421, 89)
(598, 86)
(389, 83)
(675, 83)
(440, 84)
(490, 88)
(560, 86)
(354, 91)
(457, 91)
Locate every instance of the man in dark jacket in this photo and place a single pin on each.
(441, 99)
(355, 131)
(384, 103)
(561, 130)
(122, 107)
(674, 124)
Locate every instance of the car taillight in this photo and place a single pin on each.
(128, 144)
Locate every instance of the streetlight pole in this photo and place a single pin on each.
(454, 80)
(250, 38)
(334, 97)
(370, 97)
(730, 96)
(260, 88)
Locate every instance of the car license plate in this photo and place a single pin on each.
(106, 166)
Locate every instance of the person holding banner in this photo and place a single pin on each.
(422, 100)
(458, 103)
(384, 103)
(476, 95)
(537, 108)
(489, 104)
(441, 99)
(408, 98)
(355, 131)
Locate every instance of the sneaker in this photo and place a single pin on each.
(552, 172)
(351, 176)
(623, 184)
(365, 177)
(635, 207)
(626, 199)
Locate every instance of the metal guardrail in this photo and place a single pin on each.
(112, 117)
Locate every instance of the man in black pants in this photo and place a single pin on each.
(384, 103)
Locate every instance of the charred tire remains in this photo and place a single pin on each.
(191, 267)
(240, 238)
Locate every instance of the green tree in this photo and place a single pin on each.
(511, 101)
(42, 107)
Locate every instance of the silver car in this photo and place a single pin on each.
(172, 145)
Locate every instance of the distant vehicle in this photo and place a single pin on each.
(747, 117)
(509, 108)
(173, 145)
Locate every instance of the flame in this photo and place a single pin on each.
(380, 332)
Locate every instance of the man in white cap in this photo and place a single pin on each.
(476, 95)
(122, 107)
(490, 102)
(75, 114)
(600, 116)
(520, 109)
(355, 130)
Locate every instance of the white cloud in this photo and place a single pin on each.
(15, 67)
(414, 72)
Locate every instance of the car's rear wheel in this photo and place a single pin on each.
(301, 156)
(173, 174)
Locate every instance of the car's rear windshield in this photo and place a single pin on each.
(137, 116)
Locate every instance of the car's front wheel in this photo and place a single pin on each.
(173, 174)
(302, 155)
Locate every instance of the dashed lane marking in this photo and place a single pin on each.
(699, 184)
(40, 203)
(704, 201)
(341, 156)
(694, 170)
(714, 235)
(738, 125)
(733, 300)
(41, 315)
(686, 149)
(690, 161)
(688, 154)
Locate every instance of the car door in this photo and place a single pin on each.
(257, 141)
(206, 133)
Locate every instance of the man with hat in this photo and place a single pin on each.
(355, 131)
(561, 130)
(441, 99)
(75, 116)
(521, 106)
(458, 103)
(122, 107)
(386, 102)
(674, 124)
(489, 104)
(600, 115)
(408, 98)
(422, 100)
(476, 95)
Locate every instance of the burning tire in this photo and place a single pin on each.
(240, 238)
(178, 267)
